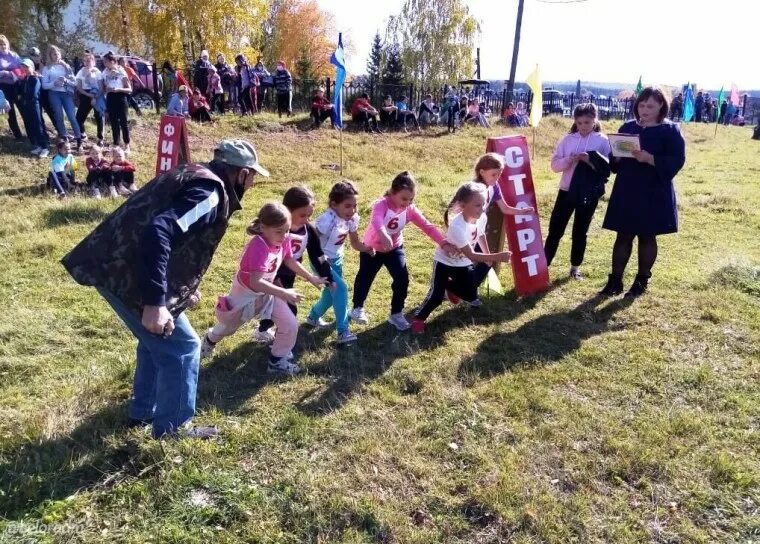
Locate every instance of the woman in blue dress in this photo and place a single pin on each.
(643, 200)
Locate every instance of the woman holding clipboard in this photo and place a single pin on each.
(643, 200)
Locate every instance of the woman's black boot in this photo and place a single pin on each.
(639, 286)
(614, 286)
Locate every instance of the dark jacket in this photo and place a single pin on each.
(283, 81)
(200, 75)
(587, 183)
(113, 256)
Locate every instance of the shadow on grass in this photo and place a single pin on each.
(35, 472)
(73, 214)
(546, 339)
(29, 190)
(348, 369)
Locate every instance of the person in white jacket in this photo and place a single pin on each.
(59, 79)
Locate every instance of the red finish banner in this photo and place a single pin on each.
(173, 147)
(531, 274)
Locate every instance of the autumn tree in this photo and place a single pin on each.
(436, 39)
(180, 29)
(39, 23)
(297, 29)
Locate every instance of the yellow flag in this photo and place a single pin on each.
(537, 105)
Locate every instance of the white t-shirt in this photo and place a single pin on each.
(114, 79)
(298, 242)
(90, 78)
(333, 231)
(460, 234)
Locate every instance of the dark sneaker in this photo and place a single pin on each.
(614, 286)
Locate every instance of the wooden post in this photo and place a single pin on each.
(156, 94)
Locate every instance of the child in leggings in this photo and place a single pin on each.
(384, 234)
(335, 225)
(61, 177)
(98, 171)
(303, 239)
(254, 292)
(458, 275)
(123, 173)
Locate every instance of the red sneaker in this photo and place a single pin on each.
(453, 298)
(418, 326)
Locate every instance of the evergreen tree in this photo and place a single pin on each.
(374, 60)
(393, 72)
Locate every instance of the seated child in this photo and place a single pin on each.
(61, 176)
(98, 171)
(123, 173)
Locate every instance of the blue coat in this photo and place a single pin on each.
(643, 199)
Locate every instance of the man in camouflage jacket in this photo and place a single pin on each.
(147, 260)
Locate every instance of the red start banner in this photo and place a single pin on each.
(173, 148)
(531, 274)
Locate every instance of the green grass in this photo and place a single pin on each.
(556, 418)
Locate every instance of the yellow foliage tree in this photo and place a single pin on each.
(178, 30)
(300, 30)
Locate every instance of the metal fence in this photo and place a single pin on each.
(491, 101)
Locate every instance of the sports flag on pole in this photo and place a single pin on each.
(688, 104)
(338, 59)
(721, 96)
(639, 87)
(537, 104)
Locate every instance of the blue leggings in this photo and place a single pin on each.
(338, 300)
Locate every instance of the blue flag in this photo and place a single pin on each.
(338, 59)
(688, 104)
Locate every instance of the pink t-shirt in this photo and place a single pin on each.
(393, 220)
(575, 143)
(260, 256)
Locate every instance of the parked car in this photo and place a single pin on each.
(554, 102)
(142, 90)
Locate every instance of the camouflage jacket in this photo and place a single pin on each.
(109, 256)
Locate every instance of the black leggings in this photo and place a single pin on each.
(116, 105)
(623, 247)
(369, 121)
(9, 90)
(407, 116)
(395, 262)
(123, 178)
(98, 179)
(85, 106)
(564, 207)
(463, 281)
(201, 115)
(245, 101)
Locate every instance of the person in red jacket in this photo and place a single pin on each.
(363, 112)
(98, 172)
(199, 108)
(322, 109)
(123, 173)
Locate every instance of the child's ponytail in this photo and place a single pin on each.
(463, 195)
(271, 214)
(403, 181)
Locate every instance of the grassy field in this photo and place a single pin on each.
(556, 418)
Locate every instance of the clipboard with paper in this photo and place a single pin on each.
(623, 145)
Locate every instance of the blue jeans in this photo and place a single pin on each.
(338, 300)
(166, 376)
(60, 102)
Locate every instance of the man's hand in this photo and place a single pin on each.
(158, 320)
(194, 299)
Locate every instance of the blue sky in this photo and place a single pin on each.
(667, 42)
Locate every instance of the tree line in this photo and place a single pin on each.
(428, 42)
